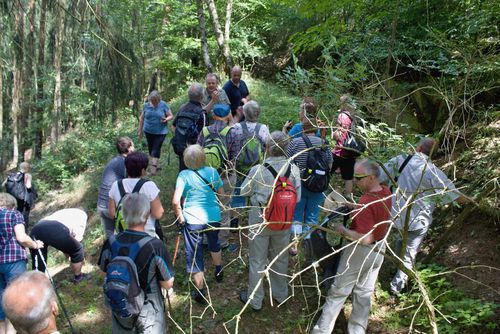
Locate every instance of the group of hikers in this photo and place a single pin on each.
(234, 175)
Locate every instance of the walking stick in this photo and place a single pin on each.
(177, 241)
(55, 289)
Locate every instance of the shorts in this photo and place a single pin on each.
(193, 239)
(154, 144)
(54, 234)
(346, 165)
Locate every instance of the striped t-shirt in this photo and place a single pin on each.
(298, 145)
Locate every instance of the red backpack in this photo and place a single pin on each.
(281, 203)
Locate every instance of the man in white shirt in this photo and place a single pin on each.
(420, 186)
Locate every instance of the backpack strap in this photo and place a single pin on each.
(244, 127)
(138, 185)
(205, 180)
(400, 170)
(225, 130)
(274, 173)
(133, 251)
(121, 189)
(307, 141)
(206, 132)
(256, 130)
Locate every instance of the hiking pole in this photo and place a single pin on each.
(55, 289)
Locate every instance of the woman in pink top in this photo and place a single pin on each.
(343, 160)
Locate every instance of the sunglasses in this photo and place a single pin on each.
(359, 177)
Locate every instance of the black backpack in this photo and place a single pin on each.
(186, 131)
(15, 186)
(354, 145)
(315, 177)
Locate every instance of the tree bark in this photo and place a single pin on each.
(394, 26)
(203, 37)
(219, 36)
(227, 25)
(56, 113)
(29, 91)
(39, 83)
(17, 65)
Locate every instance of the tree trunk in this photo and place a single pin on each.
(227, 27)
(212, 9)
(58, 46)
(17, 65)
(203, 37)
(394, 26)
(28, 109)
(39, 83)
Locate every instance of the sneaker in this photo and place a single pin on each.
(80, 278)
(244, 300)
(199, 297)
(219, 276)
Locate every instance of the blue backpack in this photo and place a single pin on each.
(122, 291)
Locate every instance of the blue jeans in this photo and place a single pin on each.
(307, 212)
(193, 242)
(9, 272)
(237, 200)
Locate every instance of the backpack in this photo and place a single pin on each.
(316, 175)
(15, 186)
(252, 149)
(122, 291)
(282, 201)
(186, 131)
(353, 145)
(215, 148)
(119, 221)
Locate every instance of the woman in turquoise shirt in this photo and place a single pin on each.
(153, 123)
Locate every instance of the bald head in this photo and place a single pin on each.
(29, 302)
(236, 74)
(426, 146)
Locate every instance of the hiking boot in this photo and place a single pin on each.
(244, 300)
(219, 276)
(235, 222)
(80, 278)
(199, 297)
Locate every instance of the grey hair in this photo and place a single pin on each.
(195, 92)
(212, 75)
(251, 109)
(427, 145)
(236, 68)
(24, 167)
(7, 201)
(277, 144)
(136, 208)
(370, 167)
(36, 316)
(154, 95)
(194, 157)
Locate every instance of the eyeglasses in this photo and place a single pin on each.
(359, 177)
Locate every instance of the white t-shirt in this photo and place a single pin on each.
(74, 219)
(149, 189)
(263, 131)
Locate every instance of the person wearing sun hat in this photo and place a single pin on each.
(232, 141)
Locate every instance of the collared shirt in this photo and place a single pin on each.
(236, 93)
(222, 98)
(259, 182)
(373, 213)
(423, 179)
(233, 139)
(10, 249)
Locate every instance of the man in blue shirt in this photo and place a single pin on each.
(238, 93)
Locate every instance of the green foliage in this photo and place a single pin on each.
(456, 313)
